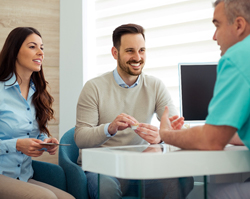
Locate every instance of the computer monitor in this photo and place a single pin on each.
(197, 82)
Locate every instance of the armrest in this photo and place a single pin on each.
(51, 174)
(76, 178)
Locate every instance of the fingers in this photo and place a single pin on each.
(149, 133)
(35, 153)
(51, 140)
(173, 118)
(149, 138)
(177, 124)
(32, 147)
(124, 118)
(51, 149)
(148, 129)
(121, 122)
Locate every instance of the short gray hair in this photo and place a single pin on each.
(236, 8)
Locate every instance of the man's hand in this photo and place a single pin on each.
(165, 122)
(176, 122)
(29, 146)
(149, 133)
(51, 149)
(121, 122)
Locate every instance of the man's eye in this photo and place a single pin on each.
(216, 25)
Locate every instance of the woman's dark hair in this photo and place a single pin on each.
(42, 100)
(126, 29)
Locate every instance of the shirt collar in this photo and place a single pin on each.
(32, 85)
(120, 81)
(10, 83)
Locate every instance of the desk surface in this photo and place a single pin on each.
(133, 162)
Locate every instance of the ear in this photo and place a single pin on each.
(114, 52)
(240, 25)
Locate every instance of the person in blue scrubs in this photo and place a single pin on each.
(25, 109)
(229, 109)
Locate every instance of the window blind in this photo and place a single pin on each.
(176, 31)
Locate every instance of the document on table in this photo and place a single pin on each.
(55, 144)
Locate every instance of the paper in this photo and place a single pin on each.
(55, 144)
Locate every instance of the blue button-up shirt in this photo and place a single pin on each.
(17, 121)
(121, 83)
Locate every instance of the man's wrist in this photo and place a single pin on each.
(106, 127)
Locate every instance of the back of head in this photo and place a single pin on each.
(10, 50)
(236, 8)
(126, 29)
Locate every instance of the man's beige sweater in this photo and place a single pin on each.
(102, 100)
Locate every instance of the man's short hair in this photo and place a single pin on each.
(236, 8)
(126, 29)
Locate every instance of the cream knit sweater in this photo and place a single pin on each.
(102, 100)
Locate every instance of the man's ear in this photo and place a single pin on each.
(114, 52)
(240, 25)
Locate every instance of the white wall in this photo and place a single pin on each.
(71, 59)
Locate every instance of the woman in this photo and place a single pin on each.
(25, 109)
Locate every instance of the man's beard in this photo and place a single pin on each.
(126, 68)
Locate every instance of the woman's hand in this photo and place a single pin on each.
(51, 148)
(30, 147)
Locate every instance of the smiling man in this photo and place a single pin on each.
(229, 109)
(110, 104)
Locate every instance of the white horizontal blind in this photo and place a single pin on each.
(176, 31)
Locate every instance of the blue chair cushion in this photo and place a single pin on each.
(48, 173)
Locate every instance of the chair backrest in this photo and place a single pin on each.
(71, 151)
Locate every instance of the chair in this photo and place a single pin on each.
(75, 176)
(48, 173)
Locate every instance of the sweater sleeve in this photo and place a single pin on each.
(88, 132)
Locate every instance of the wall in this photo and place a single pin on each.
(71, 61)
(43, 15)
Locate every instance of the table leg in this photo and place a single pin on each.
(205, 187)
(98, 186)
(140, 189)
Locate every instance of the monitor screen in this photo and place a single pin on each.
(197, 82)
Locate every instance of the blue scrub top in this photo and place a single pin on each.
(230, 104)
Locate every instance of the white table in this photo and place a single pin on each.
(129, 162)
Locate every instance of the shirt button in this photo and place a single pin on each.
(18, 165)
(7, 151)
(30, 122)
(17, 178)
(21, 152)
(28, 133)
(28, 109)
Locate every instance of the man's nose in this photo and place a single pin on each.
(137, 56)
(214, 36)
